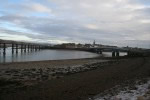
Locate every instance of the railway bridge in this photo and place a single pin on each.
(15, 46)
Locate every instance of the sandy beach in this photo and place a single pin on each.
(46, 70)
(68, 79)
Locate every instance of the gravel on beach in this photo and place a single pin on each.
(46, 70)
(81, 84)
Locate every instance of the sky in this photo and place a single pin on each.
(108, 22)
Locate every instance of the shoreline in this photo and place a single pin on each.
(61, 60)
(50, 63)
(46, 70)
(49, 60)
(75, 82)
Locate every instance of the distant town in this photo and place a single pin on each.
(79, 45)
(88, 45)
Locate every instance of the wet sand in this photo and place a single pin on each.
(85, 84)
(48, 63)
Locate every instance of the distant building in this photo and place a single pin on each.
(87, 45)
(69, 45)
(94, 43)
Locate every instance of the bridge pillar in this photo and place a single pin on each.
(35, 48)
(21, 48)
(12, 48)
(16, 48)
(31, 47)
(97, 51)
(128, 53)
(24, 48)
(100, 51)
(28, 48)
(113, 53)
(117, 53)
(4, 48)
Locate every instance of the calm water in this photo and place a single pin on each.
(46, 55)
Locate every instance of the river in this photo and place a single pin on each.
(48, 55)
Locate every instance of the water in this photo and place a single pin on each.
(46, 55)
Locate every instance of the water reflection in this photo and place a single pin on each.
(2, 57)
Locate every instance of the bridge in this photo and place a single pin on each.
(99, 50)
(15, 45)
(116, 51)
(27, 47)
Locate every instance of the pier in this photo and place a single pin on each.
(15, 46)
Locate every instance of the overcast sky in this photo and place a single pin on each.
(112, 22)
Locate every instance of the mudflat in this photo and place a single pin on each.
(83, 85)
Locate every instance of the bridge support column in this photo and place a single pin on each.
(25, 48)
(28, 48)
(16, 48)
(31, 48)
(4, 49)
(113, 53)
(117, 53)
(21, 48)
(128, 53)
(12, 48)
(100, 51)
(35, 48)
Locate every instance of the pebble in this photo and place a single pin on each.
(44, 74)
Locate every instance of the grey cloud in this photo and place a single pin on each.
(110, 21)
